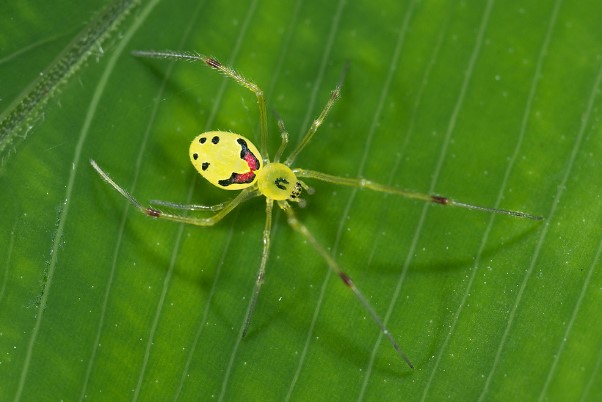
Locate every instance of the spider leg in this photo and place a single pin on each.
(335, 94)
(229, 72)
(267, 231)
(189, 207)
(437, 199)
(283, 136)
(334, 267)
(155, 213)
(198, 207)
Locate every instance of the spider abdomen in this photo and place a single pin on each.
(227, 160)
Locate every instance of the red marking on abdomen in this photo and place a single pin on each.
(241, 178)
(252, 161)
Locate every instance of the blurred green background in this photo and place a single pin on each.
(489, 102)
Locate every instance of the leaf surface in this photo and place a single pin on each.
(491, 103)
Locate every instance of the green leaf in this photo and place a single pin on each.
(491, 103)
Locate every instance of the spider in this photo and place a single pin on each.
(231, 162)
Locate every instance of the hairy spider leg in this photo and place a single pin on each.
(155, 213)
(283, 137)
(335, 94)
(336, 269)
(229, 72)
(260, 277)
(437, 199)
(189, 207)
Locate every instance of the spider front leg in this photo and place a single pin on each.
(336, 269)
(335, 94)
(155, 213)
(229, 72)
(437, 199)
(283, 138)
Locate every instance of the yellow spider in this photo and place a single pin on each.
(231, 162)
